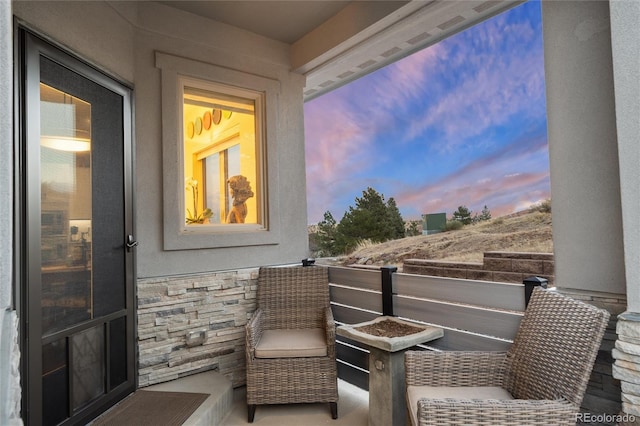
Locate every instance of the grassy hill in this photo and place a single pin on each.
(528, 231)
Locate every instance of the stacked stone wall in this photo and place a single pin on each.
(603, 395)
(189, 324)
(10, 388)
(627, 362)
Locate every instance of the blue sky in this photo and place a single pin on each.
(462, 122)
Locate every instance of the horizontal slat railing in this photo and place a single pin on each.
(366, 279)
(355, 297)
(353, 362)
(355, 294)
(476, 315)
(367, 299)
(483, 309)
(349, 315)
(462, 317)
(456, 340)
(478, 293)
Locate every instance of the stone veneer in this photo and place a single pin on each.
(603, 394)
(10, 388)
(627, 361)
(510, 267)
(174, 310)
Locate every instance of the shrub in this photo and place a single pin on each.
(363, 244)
(543, 206)
(453, 225)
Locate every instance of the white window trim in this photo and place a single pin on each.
(175, 71)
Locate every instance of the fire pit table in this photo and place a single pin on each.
(387, 338)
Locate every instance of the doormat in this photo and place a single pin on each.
(152, 408)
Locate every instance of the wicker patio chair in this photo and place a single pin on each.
(541, 380)
(290, 351)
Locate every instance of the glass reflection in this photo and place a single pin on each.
(221, 155)
(65, 157)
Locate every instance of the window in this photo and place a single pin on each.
(222, 155)
(219, 171)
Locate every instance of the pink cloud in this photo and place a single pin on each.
(338, 141)
(340, 130)
(461, 91)
(403, 81)
(503, 195)
(493, 180)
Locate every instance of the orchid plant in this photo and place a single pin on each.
(192, 185)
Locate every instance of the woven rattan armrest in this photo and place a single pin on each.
(427, 368)
(515, 412)
(330, 329)
(254, 329)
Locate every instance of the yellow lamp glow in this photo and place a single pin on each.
(63, 143)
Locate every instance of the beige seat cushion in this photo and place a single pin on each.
(292, 343)
(415, 393)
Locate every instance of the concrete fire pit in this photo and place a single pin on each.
(387, 338)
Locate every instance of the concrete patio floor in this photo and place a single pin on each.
(228, 407)
(353, 410)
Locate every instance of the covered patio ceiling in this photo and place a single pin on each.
(337, 41)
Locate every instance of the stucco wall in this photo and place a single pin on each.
(106, 35)
(6, 152)
(625, 40)
(230, 48)
(122, 38)
(10, 392)
(583, 154)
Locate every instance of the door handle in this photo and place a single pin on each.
(131, 243)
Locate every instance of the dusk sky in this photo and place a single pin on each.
(462, 122)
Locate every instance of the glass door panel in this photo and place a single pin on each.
(55, 389)
(65, 158)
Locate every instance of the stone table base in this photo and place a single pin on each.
(387, 388)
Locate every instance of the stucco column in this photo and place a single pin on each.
(625, 38)
(585, 175)
(6, 151)
(583, 152)
(10, 392)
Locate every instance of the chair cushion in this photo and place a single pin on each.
(298, 343)
(415, 393)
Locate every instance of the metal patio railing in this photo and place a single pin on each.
(476, 315)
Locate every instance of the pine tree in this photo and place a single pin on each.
(485, 214)
(463, 215)
(370, 219)
(327, 235)
(395, 220)
(413, 230)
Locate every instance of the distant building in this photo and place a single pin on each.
(433, 223)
